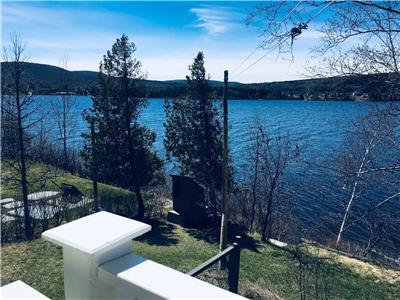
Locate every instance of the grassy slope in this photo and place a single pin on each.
(40, 264)
(8, 189)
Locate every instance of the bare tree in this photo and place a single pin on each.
(378, 228)
(369, 160)
(270, 156)
(314, 272)
(19, 108)
(22, 113)
(42, 148)
(93, 165)
(255, 146)
(63, 108)
(9, 127)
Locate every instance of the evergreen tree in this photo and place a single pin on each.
(123, 147)
(194, 132)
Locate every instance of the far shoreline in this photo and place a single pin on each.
(239, 99)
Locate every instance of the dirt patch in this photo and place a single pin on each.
(254, 291)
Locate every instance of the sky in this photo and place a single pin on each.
(167, 35)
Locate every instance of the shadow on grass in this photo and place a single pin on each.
(211, 235)
(161, 234)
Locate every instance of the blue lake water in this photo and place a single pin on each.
(317, 198)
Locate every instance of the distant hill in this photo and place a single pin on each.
(47, 79)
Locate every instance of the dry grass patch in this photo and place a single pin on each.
(359, 266)
(256, 292)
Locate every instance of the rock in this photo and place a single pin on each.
(278, 243)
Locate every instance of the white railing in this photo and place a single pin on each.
(20, 290)
(99, 263)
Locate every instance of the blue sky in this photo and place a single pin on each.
(167, 36)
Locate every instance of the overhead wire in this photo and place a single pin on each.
(259, 46)
(277, 44)
(259, 59)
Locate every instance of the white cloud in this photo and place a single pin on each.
(265, 71)
(311, 34)
(216, 19)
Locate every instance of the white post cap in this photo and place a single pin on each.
(96, 233)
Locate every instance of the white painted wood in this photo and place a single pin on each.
(142, 278)
(97, 232)
(13, 204)
(81, 271)
(89, 242)
(45, 195)
(20, 290)
(6, 200)
(46, 208)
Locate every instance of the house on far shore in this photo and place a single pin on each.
(360, 97)
(64, 93)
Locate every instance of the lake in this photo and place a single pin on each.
(318, 199)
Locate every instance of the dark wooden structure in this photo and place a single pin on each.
(187, 197)
(70, 190)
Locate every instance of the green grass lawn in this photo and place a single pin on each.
(39, 264)
(51, 174)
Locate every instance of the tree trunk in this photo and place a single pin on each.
(354, 191)
(140, 203)
(94, 168)
(65, 133)
(224, 206)
(264, 229)
(254, 187)
(24, 181)
(346, 214)
(131, 149)
(266, 232)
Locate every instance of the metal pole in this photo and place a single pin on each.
(94, 167)
(234, 267)
(224, 204)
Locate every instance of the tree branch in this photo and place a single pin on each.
(375, 4)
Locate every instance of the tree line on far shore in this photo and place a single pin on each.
(52, 80)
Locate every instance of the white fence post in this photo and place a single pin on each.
(89, 242)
